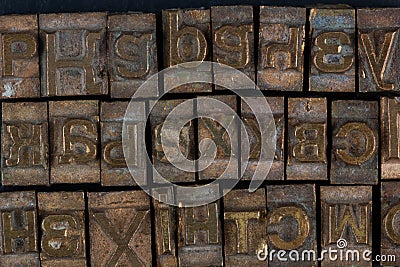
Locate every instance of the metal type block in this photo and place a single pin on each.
(346, 218)
(355, 142)
(18, 228)
(19, 60)
(73, 61)
(378, 49)
(62, 220)
(281, 48)
(25, 148)
(276, 105)
(332, 50)
(74, 136)
(307, 129)
(120, 228)
(132, 53)
(291, 222)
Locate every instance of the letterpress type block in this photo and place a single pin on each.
(25, 144)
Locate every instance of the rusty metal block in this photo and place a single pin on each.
(390, 208)
(74, 54)
(291, 222)
(19, 60)
(277, 106)
(346, 223)
(132, 53)
(378, 49)
(355, 142)
(244, 227)
(74, 136)
(307, 139)
(333, 51)
(281, 47)
(120, 228)
(18, 229)
(187, 38)
(186, 140)
(62, 220)
(233, 41)
(25, 147)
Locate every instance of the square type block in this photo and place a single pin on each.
(74, 54)
(18, 229)
(74, 136)
(346, 218)
(281, 47)
(19, 60)
(307, 123)
(120, 228)
(233, 42)
(62, 220)
(186, 39)
(355, 142)
(332, 50)
(132, 53)
(277, 107)
(291, 222)
(378, 49)
(25, 148)
(244, 227)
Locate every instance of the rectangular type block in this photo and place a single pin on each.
(132, 53)
(332, 50)
(226, 146)
(74, 54)
(186, 39)
(233, 42)
(307, 123)
(25, 148)
(390, 234)
(244, 227)
(355, 142)
(74, 136)
(291, 223)
(390, 120)
(277, 107)
(19, 60)
(173, 132)
(120, 228)
(62, 220)
(378, 49)
(18, 228)
(281, 47)
(346, 223)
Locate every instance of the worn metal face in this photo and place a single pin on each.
(307, 139)
(132, 53)
(379, 49)
(120, 228)
(25, 149)
(18, 229)
(186, 39)
(281, 47)
(244, 227)
(291, 221)
(332, 53)
(62, 220)
(19, 60)
(74, 137)
(346, 214)
(74, 54)
(276, 105)
(355, 142)
(233, 41)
